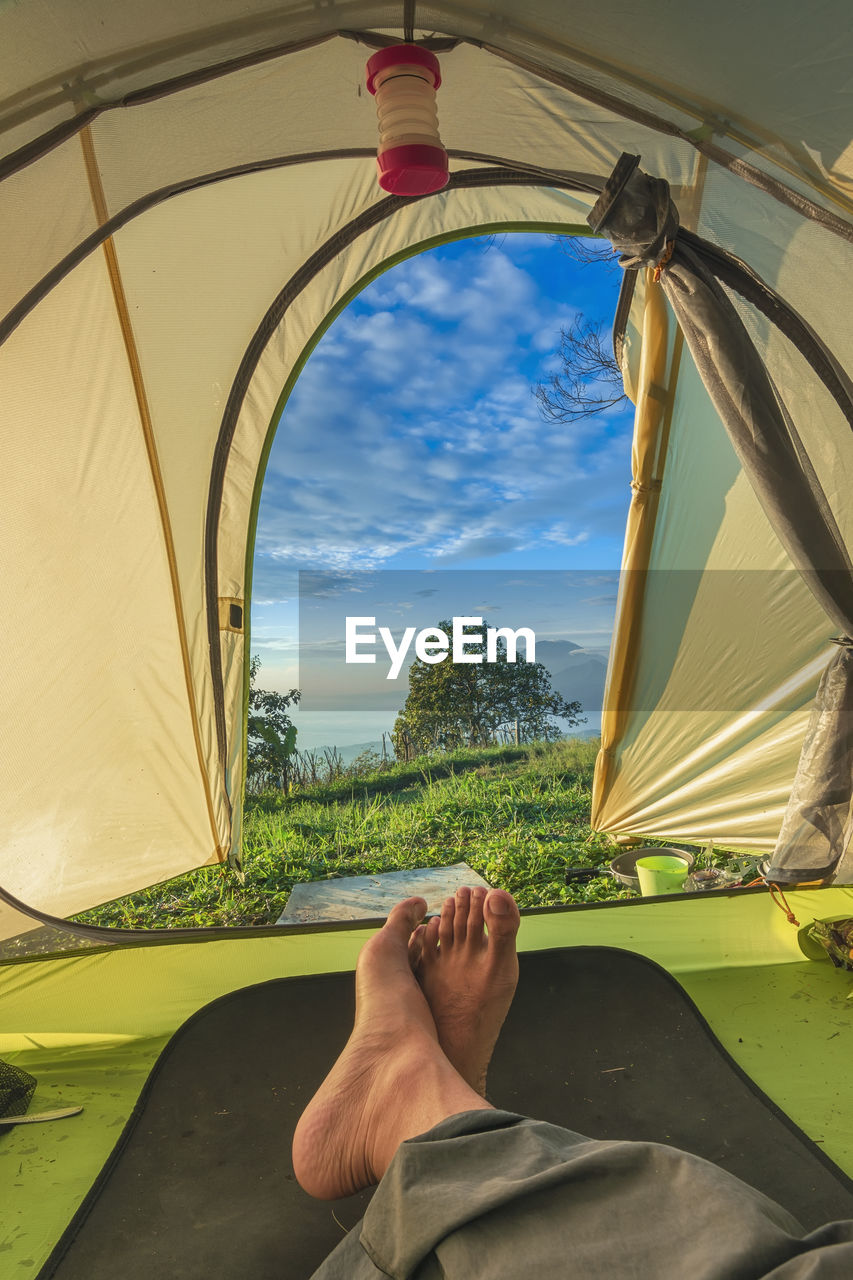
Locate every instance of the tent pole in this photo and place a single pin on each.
(655, 398)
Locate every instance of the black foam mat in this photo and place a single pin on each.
(600, 1040)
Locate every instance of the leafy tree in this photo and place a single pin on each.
(271, 734)
(452, 705)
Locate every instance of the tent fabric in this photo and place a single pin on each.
(90, 1026)
(214, 159)
(641, 221)
(702, 752)
(227, 1092)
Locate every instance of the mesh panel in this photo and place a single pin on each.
(46, 941)
(16, 1090)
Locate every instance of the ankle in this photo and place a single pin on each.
(421, 1090)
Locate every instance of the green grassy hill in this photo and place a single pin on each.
(517, 815)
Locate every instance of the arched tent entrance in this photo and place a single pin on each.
(221, 465)
(171, 178)
(185, 212)
(344, 266)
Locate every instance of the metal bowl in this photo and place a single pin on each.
(624, 865)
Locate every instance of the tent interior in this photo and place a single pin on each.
(189, 198)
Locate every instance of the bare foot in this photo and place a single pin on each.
(469, 978)
(392, 1080)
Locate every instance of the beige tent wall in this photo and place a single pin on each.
(312, 102)
(119, 375)
(49, 228)
(91, 689)
(729, 661)
(730, 650)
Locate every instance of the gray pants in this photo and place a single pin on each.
(492, 1194)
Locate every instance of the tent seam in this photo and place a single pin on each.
(116, 939)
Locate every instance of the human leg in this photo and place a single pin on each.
(486, 1192)
(392, 1080)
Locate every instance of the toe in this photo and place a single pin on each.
(403, 919)
(416, 946)
(430, 939)
(460, 919)
(475, 914)
(423, 948)
(502, 917)
(445, 925)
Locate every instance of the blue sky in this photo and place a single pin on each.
(412, 441)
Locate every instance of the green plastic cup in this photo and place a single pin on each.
(661, 873)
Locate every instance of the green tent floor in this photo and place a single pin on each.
(598, 1039)
(91, 1026)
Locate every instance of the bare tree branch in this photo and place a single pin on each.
(590, 380)
(587, 251)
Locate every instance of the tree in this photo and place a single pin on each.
(589, 381)
(587, 250)
(453, 705)
(271, 734)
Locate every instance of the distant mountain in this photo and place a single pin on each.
(554, 653)
(348, 754)
(576, 673)
(582, 680)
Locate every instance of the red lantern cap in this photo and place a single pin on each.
(398, 55)
(413, 170)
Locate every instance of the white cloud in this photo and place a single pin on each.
(487, 288)
(413, 430)
(561, 534)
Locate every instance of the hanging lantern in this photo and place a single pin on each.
(411, 159)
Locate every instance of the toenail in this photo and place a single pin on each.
(500, 906)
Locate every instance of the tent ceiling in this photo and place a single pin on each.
(760, 68)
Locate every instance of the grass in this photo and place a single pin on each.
(519, 816)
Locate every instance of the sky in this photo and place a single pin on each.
(412, 456)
